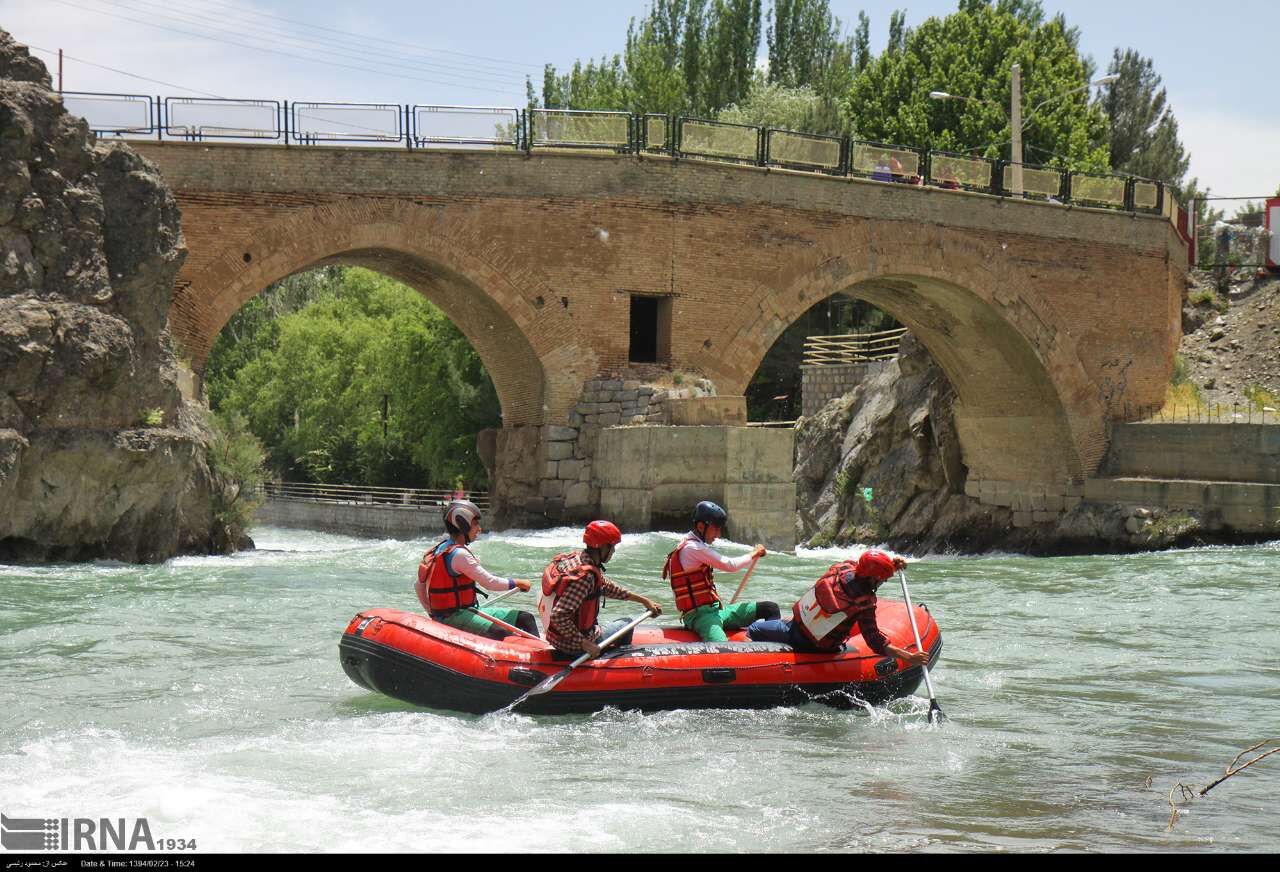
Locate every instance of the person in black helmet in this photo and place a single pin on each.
(449, 573)
(691, 569)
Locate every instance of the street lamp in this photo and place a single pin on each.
(1016, 122)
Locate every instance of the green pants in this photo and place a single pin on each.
(468, 621)
(710, 622)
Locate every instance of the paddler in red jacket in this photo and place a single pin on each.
(691, 569)
(572, 587)
(449, 573)
(845, 595)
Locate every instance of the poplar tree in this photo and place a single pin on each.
(1144, 133)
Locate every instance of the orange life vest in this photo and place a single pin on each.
(441, 590)
(563, 569)
(692, 587)
(828, 629)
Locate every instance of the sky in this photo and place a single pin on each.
(1217, 63)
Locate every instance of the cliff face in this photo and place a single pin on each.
(99, 455)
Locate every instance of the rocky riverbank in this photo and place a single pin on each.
(99, 454)
(895, 435)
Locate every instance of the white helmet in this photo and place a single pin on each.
(459, 515)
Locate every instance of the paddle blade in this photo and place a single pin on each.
(935, 712)
(542, 688)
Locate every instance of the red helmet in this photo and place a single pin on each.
(600, 533)
(875, 564)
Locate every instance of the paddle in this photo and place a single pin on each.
(935, 711)
(560, 676)
(504, 625)
(750, 569)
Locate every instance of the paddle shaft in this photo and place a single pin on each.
(551, 682)
(503, 624)
(750, 569)
(915, 631)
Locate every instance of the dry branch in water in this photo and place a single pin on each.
(1186, 792)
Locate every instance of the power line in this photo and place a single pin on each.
(53, 53)
(277, 52)
(306, 43)
(415, 46)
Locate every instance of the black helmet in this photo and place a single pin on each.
(709, 513)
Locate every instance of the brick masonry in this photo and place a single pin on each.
(1047, 319)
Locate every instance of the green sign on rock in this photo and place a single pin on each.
(867, 494)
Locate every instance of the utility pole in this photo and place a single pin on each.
(59, 71)
(1015, 116)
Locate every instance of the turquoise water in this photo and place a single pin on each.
(206, 695)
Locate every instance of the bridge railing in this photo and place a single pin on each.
(852, 347)
(369, 495)
(195, 119)
(1203, 413)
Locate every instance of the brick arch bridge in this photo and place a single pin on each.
(1049, 320)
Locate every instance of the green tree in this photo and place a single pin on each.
(236, 460)
(970, 53)
(733, 39)
(315, 396)
(1144, 133)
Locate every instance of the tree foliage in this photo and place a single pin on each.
(971, 53)
(1144, 133)
(313, 385)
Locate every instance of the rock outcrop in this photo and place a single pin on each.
(99, 455)
(895, 434)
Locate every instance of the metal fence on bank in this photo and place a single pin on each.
(418, 127)
(852, 347)
(1203, 413)
(369, 495)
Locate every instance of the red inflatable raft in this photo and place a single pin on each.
(412, 658)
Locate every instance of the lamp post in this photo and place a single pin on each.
(1016, 121)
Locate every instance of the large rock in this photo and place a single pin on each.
(895, 433)
(99, 456)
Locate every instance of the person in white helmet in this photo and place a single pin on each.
(449, 573)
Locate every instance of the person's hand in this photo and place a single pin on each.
(899, 562)
(651, 605)
(591, 648)
(522, 583)
(916, 658)
(760, 551)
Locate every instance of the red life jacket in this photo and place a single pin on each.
(440, 590)
(563, 569)
(692, 587)
(829, 629)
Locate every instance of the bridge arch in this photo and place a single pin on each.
(505, 310)
(1026, 410)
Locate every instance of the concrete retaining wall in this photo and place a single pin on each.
(1201, 452)
(352, 519)
(651, 477)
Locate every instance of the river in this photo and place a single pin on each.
(205, 694)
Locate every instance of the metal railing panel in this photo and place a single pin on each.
(117, 114)
(346, 122)
(1037, 181)
(655, 133)
(739, 143)
(564, 128)
(1148, 196)
(852, 347)
(466, 125)
(1098, 190)
(885, 163)
(211, 118)
(961, 171)
(804, 151)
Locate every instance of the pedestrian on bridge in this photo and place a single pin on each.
(449, 573)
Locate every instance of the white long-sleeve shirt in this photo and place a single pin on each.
(464, 563)
(698, 553)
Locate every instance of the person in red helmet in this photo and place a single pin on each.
(573, 585)
(845, 595)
